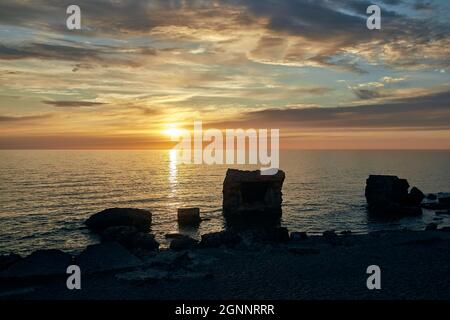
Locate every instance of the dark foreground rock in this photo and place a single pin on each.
(444, 199)
(304, 270)
(131, 238)
(249, 192)
(8, 260)
(277, 234)
(39, 265)
(138, 218)
(298, 236)
(105, 257)
(217, 239)
(431, 226)
(389, 196)
(183, 243)
(188, 216)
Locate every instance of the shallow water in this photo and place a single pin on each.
(46, 195)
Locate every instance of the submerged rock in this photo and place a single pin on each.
(138, 218)
(189, 216)
(105, 257)
(40, 264)
(223, 238)
(249, 192)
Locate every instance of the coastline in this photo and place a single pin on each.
(414, 265)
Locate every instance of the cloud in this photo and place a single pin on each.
(392, 79)
(15, 119)
(427, 112)
(327, 34)
(366, 93)
(73, 104)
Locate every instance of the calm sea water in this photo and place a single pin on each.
(46, 195)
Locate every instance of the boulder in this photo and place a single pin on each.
(39, 265)
(277, 234)
(382, 190)
(444, 199)
(388, 195)
(189, 216)
(304, 251)
(173, 235)
(431, 226)
(8, 260)
(249, 192)
(415, 197)
(138, 218)
(223, 238)
(330, 235)
(130, 237)
(105, 257)
(148, 275)
(431, 196)
(298, 236)
(183, 243)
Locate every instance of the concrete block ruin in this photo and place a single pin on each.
(249, 192)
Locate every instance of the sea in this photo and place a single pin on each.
(45, 196)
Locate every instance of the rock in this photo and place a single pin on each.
(249, 192)
(173, 235)
(167, 259)
(223, 238)
(8, 260)
(431, 226)
(39, 265)
(431, 196)
(148, 275)
(131, 238)
(183, 243)
(381, 190)
(388, 195)
(329, 234)
(189, 216)
(138, 218)
(298, 236)
(415, 197)
(431, 204)
(440, 212)
(444, 199)
(185, 274)
(277, 234)
(304, 251)
(105, 257)
(346, 232)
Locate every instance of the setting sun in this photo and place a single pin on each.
(173, 132)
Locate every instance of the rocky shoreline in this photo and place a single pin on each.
(271, 264)
(267, 262)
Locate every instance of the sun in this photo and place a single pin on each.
(173, 132)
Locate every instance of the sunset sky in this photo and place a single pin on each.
(310, 68)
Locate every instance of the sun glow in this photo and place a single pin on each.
(173, 132)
